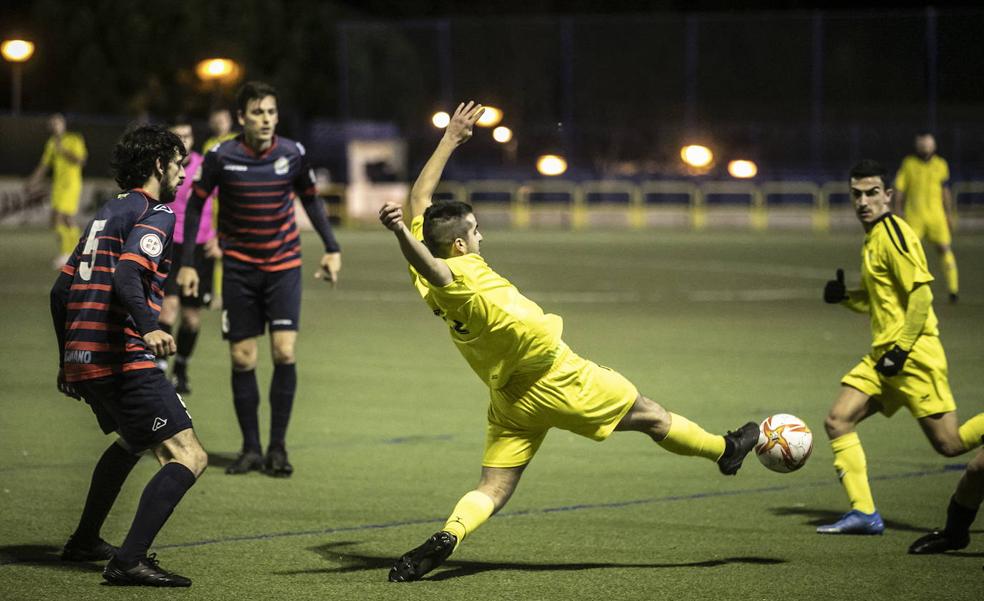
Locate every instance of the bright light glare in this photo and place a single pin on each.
(441, 119)
(502, 134)
(742, 169)
(551, 164)
(490, 118)
(17, 51)
(217, 69)
(696, 155)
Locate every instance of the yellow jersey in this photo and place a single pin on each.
(209, 143)
(65, 173)
(922, 183)
(498, 331)
(893, 263)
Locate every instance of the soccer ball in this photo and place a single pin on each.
(785, 443)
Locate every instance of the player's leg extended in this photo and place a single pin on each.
(851, 408)
(111, 471)
(681, 436)
(947, 438)
(186, 339)
(948, 261)
(960, 514)
(283, 387)
(246, 399)
(471, 511)
(182, 460)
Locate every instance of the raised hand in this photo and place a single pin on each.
(391, 216)
(459, 130)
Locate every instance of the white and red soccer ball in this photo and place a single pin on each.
(785, 443)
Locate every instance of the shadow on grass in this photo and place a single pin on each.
(456, 569)
(819, 517)
(45, 556)
(221, 460)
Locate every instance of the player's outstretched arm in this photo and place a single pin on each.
(429, 267)
(458, 132)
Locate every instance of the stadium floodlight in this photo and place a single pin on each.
(742, 169)
(490, 117)
(551, 164)
(697, 156)
(16, 52)
(440, 119)
(218, 70)
(502, 134)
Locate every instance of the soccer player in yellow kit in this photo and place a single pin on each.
(906, 366)
(536, 382)
(926, 203)
(64, 154)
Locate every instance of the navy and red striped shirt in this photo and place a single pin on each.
(256, 222)
(101, 338)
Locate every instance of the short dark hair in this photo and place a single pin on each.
(136, 154)
(178, 120)
(870, 168)
(253, 90)
(444, 222)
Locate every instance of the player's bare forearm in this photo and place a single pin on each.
(948, 206)
(414, 251)
(458, 131)
(430, 176)
(430, 268)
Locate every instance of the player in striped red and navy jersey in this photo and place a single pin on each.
(259, 175)
(105, 305)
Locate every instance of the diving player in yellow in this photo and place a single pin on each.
(536, 382)
(925, 201)
(64, 154)
(906, 366)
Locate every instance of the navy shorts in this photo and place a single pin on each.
(252, 298)
(141, 405)
(206, 270)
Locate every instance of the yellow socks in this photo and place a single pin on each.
(950, 272)
(852, 469)
(687, 438)
(471, 512)
(972, 432)
(68, 238)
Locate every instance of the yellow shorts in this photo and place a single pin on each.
(575, 394)
(922, 386)
(65, 199)
(933, 228)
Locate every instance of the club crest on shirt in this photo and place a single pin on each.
(281, 166)
(152, 245)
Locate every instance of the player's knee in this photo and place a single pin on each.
(191, 319)
(195, 459)
(283, 354)
(836, 426)
(949, 447)
(243, 357)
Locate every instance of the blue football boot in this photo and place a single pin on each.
(855, 522)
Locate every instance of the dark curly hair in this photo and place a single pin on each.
(136, 154)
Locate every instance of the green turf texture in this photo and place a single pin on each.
(389, 421)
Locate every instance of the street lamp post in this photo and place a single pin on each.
(16, 52)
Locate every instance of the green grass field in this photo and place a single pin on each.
(389, 422)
